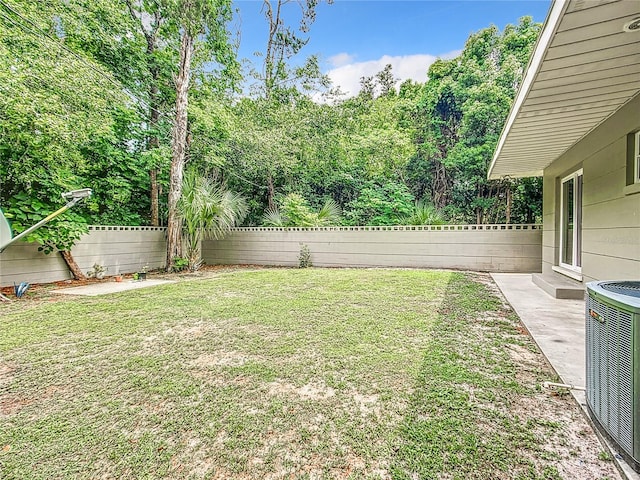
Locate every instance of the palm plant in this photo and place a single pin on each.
(424, 214)
(329, 214)
(208, 210)
(295, 212)
(273, 218)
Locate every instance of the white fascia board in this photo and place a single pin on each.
(531, 173)
(544, 41)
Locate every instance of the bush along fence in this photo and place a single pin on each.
(118, 249)
(491, 248)
(121, 249)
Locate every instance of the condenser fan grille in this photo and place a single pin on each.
(631, 289)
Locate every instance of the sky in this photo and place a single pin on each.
(355, 38)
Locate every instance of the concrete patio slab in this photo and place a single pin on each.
(558, 327)
(105, 288)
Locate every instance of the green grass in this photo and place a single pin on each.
(282, 373)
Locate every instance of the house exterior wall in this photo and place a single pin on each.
(611, 212)
(493, 248)
(120, 249)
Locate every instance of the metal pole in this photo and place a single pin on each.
(75, 195)
(75, 199)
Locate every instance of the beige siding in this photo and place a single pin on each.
(611, 218)
(503, 249)
(120, 249)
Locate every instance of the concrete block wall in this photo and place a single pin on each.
(120, 249)
(491, 248)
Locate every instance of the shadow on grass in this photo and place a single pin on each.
(459, 423)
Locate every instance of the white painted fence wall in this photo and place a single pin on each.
(491, 248)
(120, 249)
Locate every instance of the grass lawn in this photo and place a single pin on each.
(282, 373)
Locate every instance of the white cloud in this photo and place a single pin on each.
(347, 75)
(341, 59)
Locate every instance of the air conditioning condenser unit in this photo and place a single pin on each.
(613, 363)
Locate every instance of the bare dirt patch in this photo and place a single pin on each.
(12, 403)
(223, 359)
(368, 404)
(312, 391)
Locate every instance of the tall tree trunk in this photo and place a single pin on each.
(508, 209)
(149, 28)
(270, 61)
(178, 149)
(73, 266)
(271, 192)
(439, 184)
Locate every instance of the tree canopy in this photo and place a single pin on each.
(91, 91)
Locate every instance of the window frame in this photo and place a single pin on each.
(636, 157)
(576, 240)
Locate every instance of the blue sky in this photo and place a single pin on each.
(355, 38)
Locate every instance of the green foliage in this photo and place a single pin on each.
(384, 204)
(424, 214)
(118, 173)
(60, 234)
(304, 258)
(52, 104)
(294, 211)
(460, 116)
(279, 79)
(180, 264)
(100, 117)
(208, 210)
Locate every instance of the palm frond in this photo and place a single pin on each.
(273, 218)
(424, 214)
(208, 210)
(329, 214)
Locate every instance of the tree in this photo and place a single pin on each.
(459, 117)
(201, 25)
(130, 38)
(424, 214)
(54, 102)
(381, 84)
(386, 204)
(150, 22)
(283, 43)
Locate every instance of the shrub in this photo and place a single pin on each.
(304, 259)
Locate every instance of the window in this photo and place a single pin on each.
(633, 160)
(636, 158)
(571, 222)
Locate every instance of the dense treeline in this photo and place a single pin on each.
(88, 99)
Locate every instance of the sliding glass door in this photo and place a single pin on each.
(571, 222)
